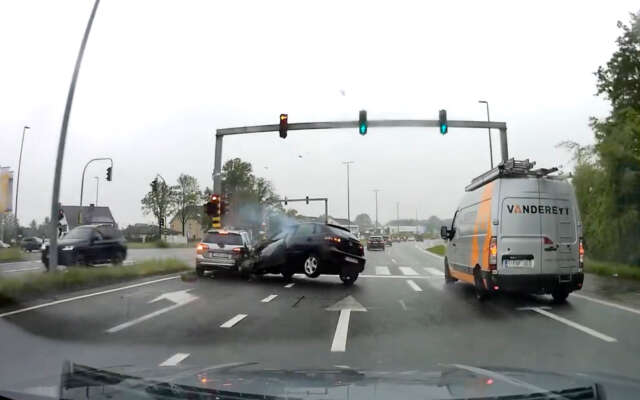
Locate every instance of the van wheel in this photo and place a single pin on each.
(560, 295)
(481, 292)
(312, 266)
(447, 274)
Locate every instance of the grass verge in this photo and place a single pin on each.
(439, 249)
(607, 268)
(159, 244)
(12, 254)
(32, 286)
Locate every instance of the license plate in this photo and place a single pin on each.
(219, 255)
(351, 259)
(518, 263)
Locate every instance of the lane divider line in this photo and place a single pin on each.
(404, 306)
(84, 296)
(21, 269)
(269, 298)
(394, 260)
(408, 271)
(230, 323)
(174, 360)
(383, 271)
(572, 324)
(399, 276)
(289, 285)
(607, 303)
(414, 286)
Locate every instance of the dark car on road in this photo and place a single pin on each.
(31, 243)
(90, 244)
(313, 249)
(375, 242)
(222, 250)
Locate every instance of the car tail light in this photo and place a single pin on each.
(333, 239)
(581, 253)
(201, 248)
(493, 253)
(547, 241)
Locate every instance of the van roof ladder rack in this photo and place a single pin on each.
(511, 167)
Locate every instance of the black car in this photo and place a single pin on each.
(375, 242)
(31, 243)
(90, 244)
(314, 249)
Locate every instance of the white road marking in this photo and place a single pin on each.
(269, 298)
(21, 269)
(414, 286)
(572, 324)
(290, 285)
(84, 296)
(340, 337)
(607, 303)
(394, 260)
(230, 323)
(408, 271)
(174, 360)
(397, 276)
(434, 271)
(383, 271)
(404, 306)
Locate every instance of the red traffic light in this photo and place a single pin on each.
(214, 197)
(284, 125)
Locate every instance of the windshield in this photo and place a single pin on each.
(445, 188)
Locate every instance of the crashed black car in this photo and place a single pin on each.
(90, 244)
(312, 249)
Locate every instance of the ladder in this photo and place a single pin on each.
(509, 168)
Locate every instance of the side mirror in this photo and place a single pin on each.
(444, 232)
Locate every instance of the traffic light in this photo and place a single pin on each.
(213, 206)
(444, 126)
(307, 199)
(284, 125)
(109, 174)
(362, 124)
(161, 222)
(154, 185)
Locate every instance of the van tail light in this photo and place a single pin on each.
(547, 241)
(581, 253)
(493, 253)
(333, 239)
(201, 248)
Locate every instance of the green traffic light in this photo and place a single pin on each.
(363, 129)
(443, 129)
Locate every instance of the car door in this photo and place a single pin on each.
(299, 243)
(97, 250)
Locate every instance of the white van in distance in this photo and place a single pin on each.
(517, 229)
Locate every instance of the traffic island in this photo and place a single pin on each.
(26, 287)
(439, 249)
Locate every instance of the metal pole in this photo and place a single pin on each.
(97, 184)
(503, 144)
(376, 192)
(161, 210)
(489, 128)
(53, 247)
(398, 216)
(18, 180)
(85, 170)
(326, 211)
(348, 194)
(416, 221)
(217, 166)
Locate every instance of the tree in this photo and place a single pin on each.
(33, 227)
(159, 202)
(363, 221)
(292, 212)
(187, 199)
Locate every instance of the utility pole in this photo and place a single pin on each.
(15, 214)
(488, 120)
(398, 216)
(97, 184)
(348, 196)
(416, 221)
(376, 192)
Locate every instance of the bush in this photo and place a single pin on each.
(161, 244)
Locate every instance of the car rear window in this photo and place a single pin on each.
(223, 238)
(375, 238)
(341, 232)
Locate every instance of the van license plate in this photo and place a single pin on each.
(351, 259)
(518, 263)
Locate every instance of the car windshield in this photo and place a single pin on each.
(223, 238)
(380, 199)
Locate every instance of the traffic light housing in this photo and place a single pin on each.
(213, 206)
(362, 122)
(444, 125)
(109, 174)
(161, 222)
(284, 125)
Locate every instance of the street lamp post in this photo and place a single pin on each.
(348, 196)
(24, 130)
(85, 170)
(488, 120)
(376, 192)
(97, 184)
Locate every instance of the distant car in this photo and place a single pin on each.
(314, 249)
(89, 244)
(375, 242)
(31, 243)
(222, 250)
(3, 245)
(387, 240)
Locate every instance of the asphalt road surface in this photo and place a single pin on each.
(398, 316)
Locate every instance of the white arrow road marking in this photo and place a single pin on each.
(572, 324)
(180, 298)
(382, 271)
(434, 271)
(345, 306)
(174, 360)
(269, 298)
(414, 286)
(607, 303)
(230, 323)
(408, 271)
(290, 285)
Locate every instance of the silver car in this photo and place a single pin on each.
(222, 250)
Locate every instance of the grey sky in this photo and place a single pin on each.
(160, 76)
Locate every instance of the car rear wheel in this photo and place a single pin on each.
(117, 258)
(312, 266)
(348, 279)
(560, 295)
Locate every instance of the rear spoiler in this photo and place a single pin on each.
(339, 227)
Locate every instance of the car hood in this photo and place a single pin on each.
(251, 380)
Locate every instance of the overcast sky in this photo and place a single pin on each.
(159, 77)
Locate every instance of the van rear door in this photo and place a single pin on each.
(559, 242)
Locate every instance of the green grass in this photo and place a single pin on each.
(607, 268)
(12, 254)
(31, 286)
(439, 249)
(159, 244)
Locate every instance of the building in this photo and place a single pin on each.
(85, 215)
(393, 229)
(192, 227)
